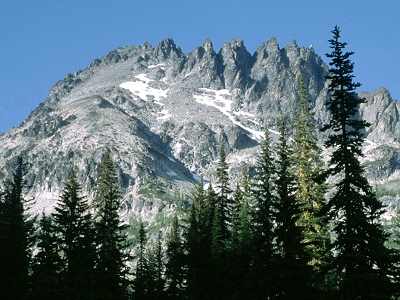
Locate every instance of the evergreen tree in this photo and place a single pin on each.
(224, 202)
(293, 281)
(263, 191)
(75, 235)
(242, 218)
(218, 255)
(111, 241)
(157, 269)
(198, 242)
(47, 263)
(194, 241)
(207, 216)
(361, 262)
(239, 284)
(310, 191)
(175, 266)
(16, 237)
(143, 282)
(221, 229)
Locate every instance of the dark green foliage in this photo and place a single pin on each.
(47, 263)
(111, 270)
(294, 274)
(220, 216)
(143, 282)
(195, 238)
(362, 263)
(218, 255)
(198, 242)
(157, 270)
(241, 246)
(224, 201)
(75, 236)
(308, 169)
(15, 237)
(263, 192)
(175, 266)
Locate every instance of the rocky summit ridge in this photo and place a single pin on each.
(163, 114)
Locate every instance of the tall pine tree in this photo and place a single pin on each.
(362, 262)
(15, 237)
(263, 191)
(310, 192)
(198, 243)
(294, 279)
(224, 192)
(47, 263)
(75, 233)
(241, 246)
(175, 267)
(111, 244)
(195, 242)
(157, 269)
(143, 282)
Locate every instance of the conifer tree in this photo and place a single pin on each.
(239, 283)
(242, 221)
(157, 269)
(263, 191)
(293, 282)
(198, 242)
(361, 262)
(143, 282)
(207, 218)
(16, 237)
(75, 236)
(310, 190)
(111, 243)
(218, 255)
(47, 263)
(221, 229)
(224, 202)
(175, 266)
(196, 254)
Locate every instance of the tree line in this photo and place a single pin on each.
(292, 228)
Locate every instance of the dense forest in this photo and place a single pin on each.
(293, 228)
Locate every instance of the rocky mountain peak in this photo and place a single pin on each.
(382, 112)
(167, 49)
(208, 47)
(163, 115)
(237, 62)
(272, 46)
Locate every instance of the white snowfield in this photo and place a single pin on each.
(156, 66)
(140, 88)
(219, 99)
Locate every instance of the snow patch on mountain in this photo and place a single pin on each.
(156, 66)
(141, 89)
(220, 99)
(165, 115)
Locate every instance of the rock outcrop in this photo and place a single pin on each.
(163, 114)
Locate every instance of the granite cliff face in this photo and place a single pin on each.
(163, 114)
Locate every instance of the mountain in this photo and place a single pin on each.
(163, 114)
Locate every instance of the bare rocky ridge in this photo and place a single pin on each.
(163, 114)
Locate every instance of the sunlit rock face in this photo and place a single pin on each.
(163, 114)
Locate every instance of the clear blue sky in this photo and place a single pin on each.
(42, 41)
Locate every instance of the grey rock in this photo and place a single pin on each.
(167, 129)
